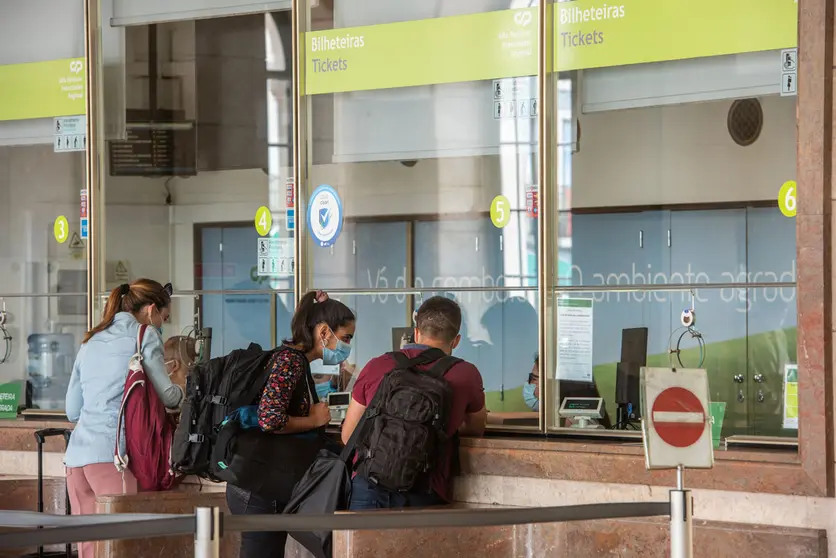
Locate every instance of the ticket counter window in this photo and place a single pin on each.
(672, 165)
(427, 162)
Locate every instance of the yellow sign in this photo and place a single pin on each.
(43, 89)
(500, 211)
(788, 198)
(504, 43)
(263, 221)
(61, 229)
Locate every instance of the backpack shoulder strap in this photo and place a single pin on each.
(140, 336)
(443, 365)
(426, 357)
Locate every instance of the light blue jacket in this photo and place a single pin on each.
(98, 381)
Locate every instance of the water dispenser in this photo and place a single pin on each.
(49, 367)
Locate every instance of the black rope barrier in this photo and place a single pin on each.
(18, 519)
(176, 525)
(79, 528)
(409, 519)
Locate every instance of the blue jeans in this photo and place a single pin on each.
(269, 544)
(366, 496)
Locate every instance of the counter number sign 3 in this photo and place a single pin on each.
(61, 229)
(788, 198)
(325, 216)
(263, 221)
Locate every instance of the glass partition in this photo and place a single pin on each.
(198, 180)
(577, 182)
(421, 147)
(675, 160)
(43, 193)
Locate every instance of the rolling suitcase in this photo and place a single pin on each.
(40, 438)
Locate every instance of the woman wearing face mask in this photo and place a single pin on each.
(321, 328)
(96, 386)
(531, 390)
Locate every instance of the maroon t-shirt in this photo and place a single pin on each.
(468, 398)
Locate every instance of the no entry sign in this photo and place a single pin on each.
(678, 417)
(676, 424)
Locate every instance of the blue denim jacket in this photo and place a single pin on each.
(98, 381)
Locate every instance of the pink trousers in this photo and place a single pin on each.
(85, 484)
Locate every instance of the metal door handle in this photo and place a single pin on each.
(738, 378)
(758, 378)
(740, 396)
(761, 396)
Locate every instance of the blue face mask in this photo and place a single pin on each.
(529, 397)
(338, 354)
(322, 391)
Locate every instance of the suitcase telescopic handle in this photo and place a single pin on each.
(42, 435)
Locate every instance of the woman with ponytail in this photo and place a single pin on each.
(96, 386)
(321, 328)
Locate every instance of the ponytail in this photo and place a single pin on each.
(131, 298)
(313, 309)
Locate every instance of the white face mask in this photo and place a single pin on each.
(167, 363)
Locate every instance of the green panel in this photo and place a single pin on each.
(589, 34)
(503, 44)
(42, 89)
(427, 51)
(10, 396)
(723, 360)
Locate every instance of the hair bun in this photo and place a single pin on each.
(124, 289)
(321, 296)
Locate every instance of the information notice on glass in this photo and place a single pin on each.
(791, 396)
(574, 339)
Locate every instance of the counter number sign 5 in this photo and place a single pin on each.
(61, 229)
(788, 198)
(263, 221)
(500, 211)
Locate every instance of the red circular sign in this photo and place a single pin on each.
(678, 417)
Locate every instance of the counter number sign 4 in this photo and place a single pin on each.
(61, 229)
(500, 211)
(788, 198)
(263, 221)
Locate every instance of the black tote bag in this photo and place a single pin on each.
(325, 488)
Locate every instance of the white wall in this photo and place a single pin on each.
(39, 30)
(36, 31)
(681, 154)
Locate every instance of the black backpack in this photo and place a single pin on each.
(213, 391)
(404, 434)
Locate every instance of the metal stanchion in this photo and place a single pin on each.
(207, 538)
(682, 527)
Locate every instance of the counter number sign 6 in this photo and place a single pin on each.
(788, 198)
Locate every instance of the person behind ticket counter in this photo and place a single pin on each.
(330, 383)
(531, 390)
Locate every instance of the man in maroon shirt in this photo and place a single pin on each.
(437, 325)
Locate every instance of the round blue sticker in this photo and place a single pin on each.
(325, 215)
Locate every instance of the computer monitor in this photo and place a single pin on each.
(402, 336)
(634, 345)
(628, 374)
